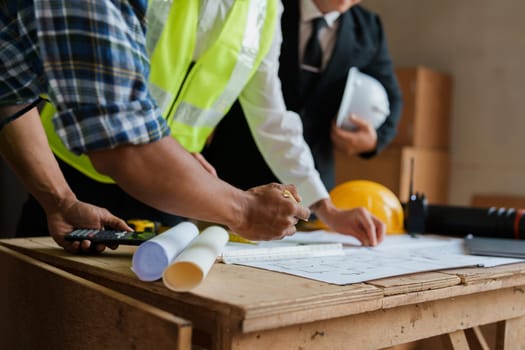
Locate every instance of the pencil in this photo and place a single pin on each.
(288, 194)
(236, 238)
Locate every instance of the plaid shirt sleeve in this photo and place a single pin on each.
(90, 56)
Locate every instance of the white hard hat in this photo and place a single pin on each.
(365, 97)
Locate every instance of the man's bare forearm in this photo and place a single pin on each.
(165, 176)
(23, 144)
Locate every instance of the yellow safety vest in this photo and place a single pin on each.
(193, 102)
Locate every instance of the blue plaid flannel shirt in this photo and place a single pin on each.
(90, 57)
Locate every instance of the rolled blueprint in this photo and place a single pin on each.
(153, 256)
(190, 268)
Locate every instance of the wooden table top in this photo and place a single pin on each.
(253, 299)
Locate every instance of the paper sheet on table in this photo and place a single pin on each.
(397, 255)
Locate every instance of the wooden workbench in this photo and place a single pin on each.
(239, 307)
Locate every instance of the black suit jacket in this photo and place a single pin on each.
(360, 43)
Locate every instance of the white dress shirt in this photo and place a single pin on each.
(278, 133)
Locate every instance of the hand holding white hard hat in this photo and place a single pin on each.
(365, 97)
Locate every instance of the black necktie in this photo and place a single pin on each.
(312, 58)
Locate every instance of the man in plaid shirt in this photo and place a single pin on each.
(90, 57)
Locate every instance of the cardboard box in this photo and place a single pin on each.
(391, 168)
(425, 119)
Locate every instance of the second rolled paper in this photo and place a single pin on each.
(191, 266)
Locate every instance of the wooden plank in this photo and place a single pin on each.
(47, 308)
(394, 326)
(476, 275)
(479, 338)
(511, 334)
(455, 341)
(415, 282)
(473, 280)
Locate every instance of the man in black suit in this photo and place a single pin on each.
(351, 36)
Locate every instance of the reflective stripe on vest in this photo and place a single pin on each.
(222, 71)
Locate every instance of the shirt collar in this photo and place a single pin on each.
(309, 11)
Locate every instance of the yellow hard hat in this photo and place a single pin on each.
(378, 199)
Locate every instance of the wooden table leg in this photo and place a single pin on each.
(475, 334)
(455, 341)
(510, 334)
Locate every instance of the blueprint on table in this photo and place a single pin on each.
(396, 255)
